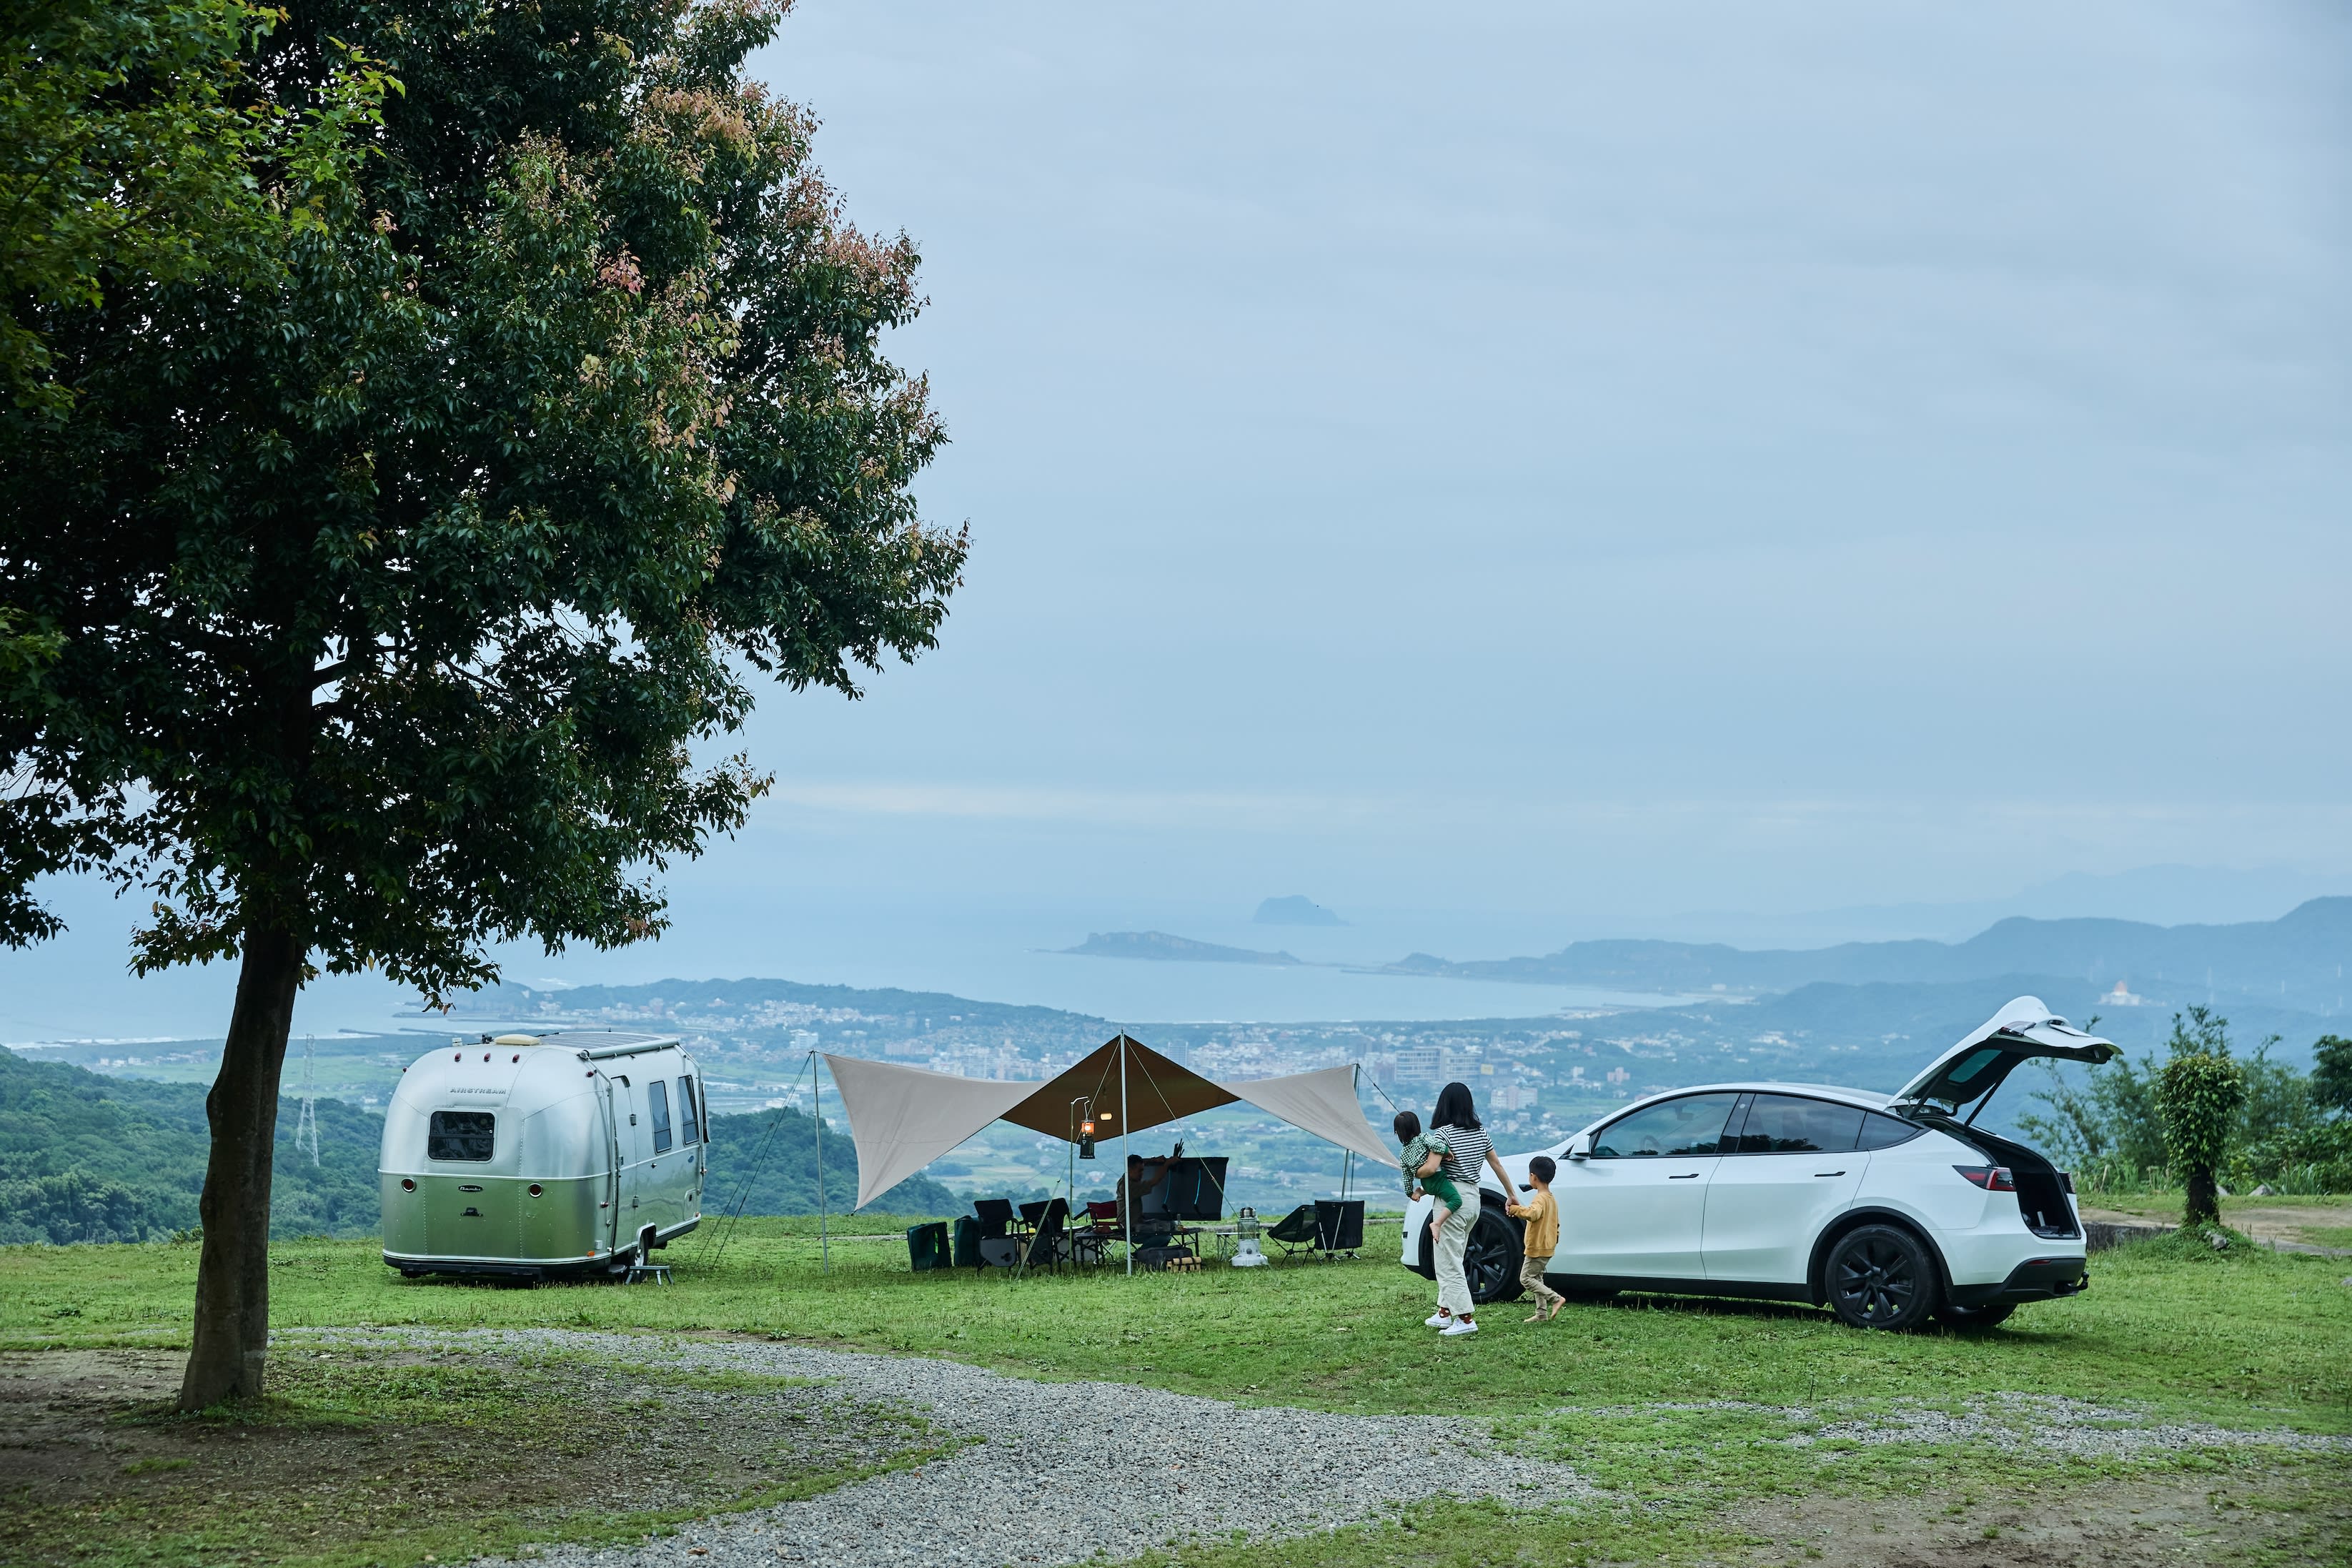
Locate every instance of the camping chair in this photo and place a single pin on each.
(1087, 1241)
(1294, 1232)
(1046, 1243)
(1338, 1226)
(991, 1218)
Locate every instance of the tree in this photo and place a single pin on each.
(2331, 1073)
(2198, 1092)
(130, 143)
(394, 583)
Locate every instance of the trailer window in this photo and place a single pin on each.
(461, 1134)
(685, 1121)
(657, 1097)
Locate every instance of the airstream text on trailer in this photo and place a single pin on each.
(536, 1155)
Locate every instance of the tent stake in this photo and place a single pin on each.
(823, 1230)
(1126, 1171)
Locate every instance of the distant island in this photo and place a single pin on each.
(1297, 910)
(1159, 944)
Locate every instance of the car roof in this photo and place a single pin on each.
(1869, 1100)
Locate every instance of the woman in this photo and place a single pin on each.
(1454, 1123)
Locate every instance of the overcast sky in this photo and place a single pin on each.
(1656, 456)
(1529, 470)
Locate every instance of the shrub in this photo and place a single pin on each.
(2199, 1093)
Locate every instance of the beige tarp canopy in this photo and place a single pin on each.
(902, 1118)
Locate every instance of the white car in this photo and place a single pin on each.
(1888, 1209)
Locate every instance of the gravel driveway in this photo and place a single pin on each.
(1067, 1471)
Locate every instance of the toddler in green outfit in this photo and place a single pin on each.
(1445, 1198)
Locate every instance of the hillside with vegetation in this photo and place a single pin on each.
(86, 1158)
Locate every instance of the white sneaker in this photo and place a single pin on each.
(1461, 1326)
(1437, 1320)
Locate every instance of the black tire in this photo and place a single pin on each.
(1882, 1277)
(1492, 1258)
(1972, 1318)
(1427, 1266)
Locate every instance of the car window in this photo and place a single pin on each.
(1792, 1124)
(686, 1129)
(657, 1101)
(1690, 1125)
(461, 1134)
(1886, 1131)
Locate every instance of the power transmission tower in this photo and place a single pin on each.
(306, 1126)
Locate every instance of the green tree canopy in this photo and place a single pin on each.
(136, 148)
(395, 586)
(2198, 1092)
(2331, 1073)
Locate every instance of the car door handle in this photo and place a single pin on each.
(1685, 1176)
(1829, 1173)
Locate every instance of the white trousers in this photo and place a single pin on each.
(1452, 1284)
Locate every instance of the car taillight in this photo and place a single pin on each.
(1991, 1178)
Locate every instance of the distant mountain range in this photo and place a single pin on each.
(1159, 945)
(2296, 961)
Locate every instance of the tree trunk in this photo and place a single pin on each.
(2203, 1203)
(231, 1340)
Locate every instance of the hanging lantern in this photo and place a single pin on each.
(1087, 1139)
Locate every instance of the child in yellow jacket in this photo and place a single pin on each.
(1541, 1239)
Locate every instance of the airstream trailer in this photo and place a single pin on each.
(532, 1156)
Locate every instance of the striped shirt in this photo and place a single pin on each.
(1466, 1150)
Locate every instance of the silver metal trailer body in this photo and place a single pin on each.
(536, 1155)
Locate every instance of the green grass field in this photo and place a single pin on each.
(2244, 1339)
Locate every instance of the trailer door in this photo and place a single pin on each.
(615, 1108)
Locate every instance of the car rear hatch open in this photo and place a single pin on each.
(1965, 1077)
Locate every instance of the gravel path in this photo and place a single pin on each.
(1067, 1471)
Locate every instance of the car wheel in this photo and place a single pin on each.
(1881, 1278)
(1492, 1258)
(1984, 1316)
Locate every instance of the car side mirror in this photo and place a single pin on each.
(1580, 1147)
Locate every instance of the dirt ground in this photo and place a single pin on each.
(2301, 1514)
(94, 1467)
(2299, 1223)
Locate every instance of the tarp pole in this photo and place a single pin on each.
(1126, 1171)
(1348, 1156)
(824, 1232)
